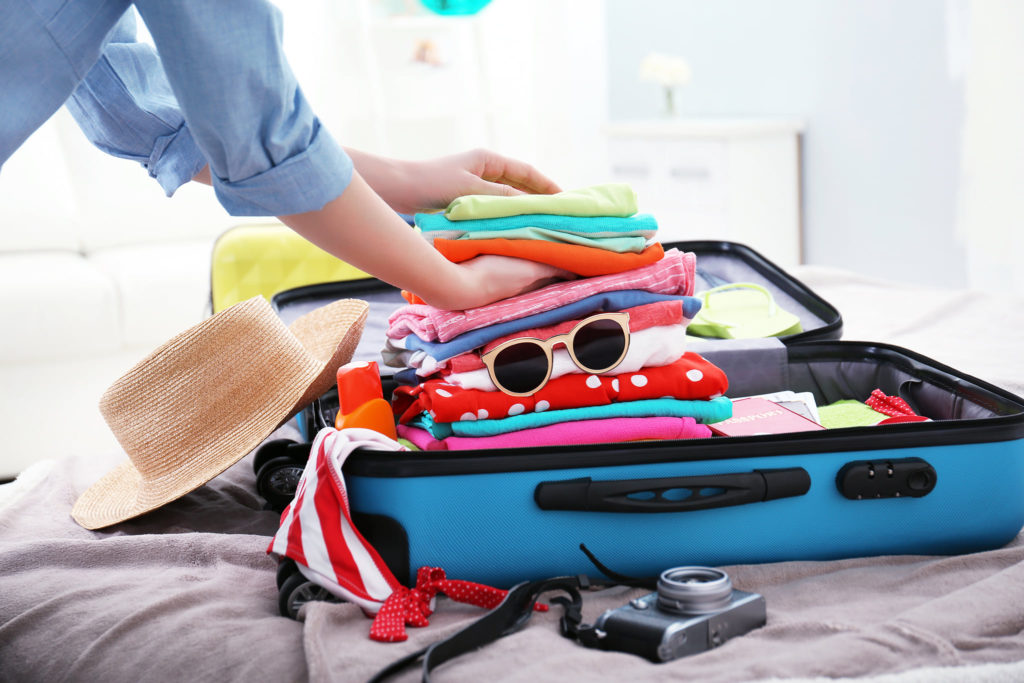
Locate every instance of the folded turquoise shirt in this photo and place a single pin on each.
(619, 245)
(640, 225)
(610, 199)
(715, 410)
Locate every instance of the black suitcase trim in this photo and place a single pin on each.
(1007, 425)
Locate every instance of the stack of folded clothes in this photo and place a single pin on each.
(594, 360)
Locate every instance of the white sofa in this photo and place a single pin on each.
(97, 268)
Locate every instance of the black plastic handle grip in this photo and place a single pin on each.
(672, 494)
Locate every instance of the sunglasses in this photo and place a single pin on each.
(521, 367)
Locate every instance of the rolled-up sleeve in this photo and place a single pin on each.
(267, 150)
(125, 106)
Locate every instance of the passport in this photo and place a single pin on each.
(755, 416)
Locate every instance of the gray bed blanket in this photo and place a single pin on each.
(187, 593)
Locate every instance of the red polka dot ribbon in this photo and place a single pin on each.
(893, 406)
(412, 606)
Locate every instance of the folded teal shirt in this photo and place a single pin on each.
(640, 225)
(715, 410)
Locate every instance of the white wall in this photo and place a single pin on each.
(526, 78)
(879, 86)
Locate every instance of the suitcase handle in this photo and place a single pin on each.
(672, 494)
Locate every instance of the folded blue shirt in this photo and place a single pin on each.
(642, 224)
(605, 301)
(715, 410)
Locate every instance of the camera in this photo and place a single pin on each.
(694, 609)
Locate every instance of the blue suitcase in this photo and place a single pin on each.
(502, 516)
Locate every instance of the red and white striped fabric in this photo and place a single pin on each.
(317, 530)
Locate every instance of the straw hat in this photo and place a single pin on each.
(200, 402)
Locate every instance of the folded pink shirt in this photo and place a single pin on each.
(673, 274)
(611, 430)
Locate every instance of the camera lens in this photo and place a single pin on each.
(694, 590)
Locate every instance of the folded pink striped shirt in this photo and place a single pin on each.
(673, 274)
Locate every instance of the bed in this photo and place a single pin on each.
(188, 593)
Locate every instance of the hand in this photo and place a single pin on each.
(490, 278)
(416, 186)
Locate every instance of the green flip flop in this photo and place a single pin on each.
(742, 310)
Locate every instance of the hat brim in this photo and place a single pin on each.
(329, 336)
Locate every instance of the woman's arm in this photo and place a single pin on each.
(360, 228)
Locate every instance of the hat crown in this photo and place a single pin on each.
(204, 399)
(196, 389)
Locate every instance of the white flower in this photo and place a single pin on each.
(667, 70)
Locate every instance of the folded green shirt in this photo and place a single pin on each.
(849, 413)
(610, 199)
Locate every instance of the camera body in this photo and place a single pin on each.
(695, 609)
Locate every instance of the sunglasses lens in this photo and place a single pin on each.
(599, 344)
(521, 368)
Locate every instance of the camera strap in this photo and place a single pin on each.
(508, 617)
(512, 614)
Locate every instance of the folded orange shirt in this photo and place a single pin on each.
(575, 258)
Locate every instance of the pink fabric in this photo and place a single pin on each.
(612, 430)
(674, 274)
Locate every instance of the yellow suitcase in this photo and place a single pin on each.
(266, 259)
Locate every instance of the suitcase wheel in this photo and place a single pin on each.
(270, 450)
(296, 591)
(277, 480)
(285, 568)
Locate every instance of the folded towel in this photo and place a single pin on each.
(641, 225)
(673, 274)
(608, 301)
(690, 377)
(619, 245)
(610, 199)
(715, 410)
(580, 260)
(611, 430)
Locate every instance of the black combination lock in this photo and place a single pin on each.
(873, 479)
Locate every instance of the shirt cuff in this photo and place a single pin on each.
(304, 182)
(175, 160)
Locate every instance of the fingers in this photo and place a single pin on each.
(481, 186)
(514, 173)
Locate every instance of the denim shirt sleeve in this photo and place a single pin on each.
(125, 107)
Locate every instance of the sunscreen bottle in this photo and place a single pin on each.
(361, 399)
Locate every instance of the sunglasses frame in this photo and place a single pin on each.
(548, 345)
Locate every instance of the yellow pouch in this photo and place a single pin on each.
(267, 259)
